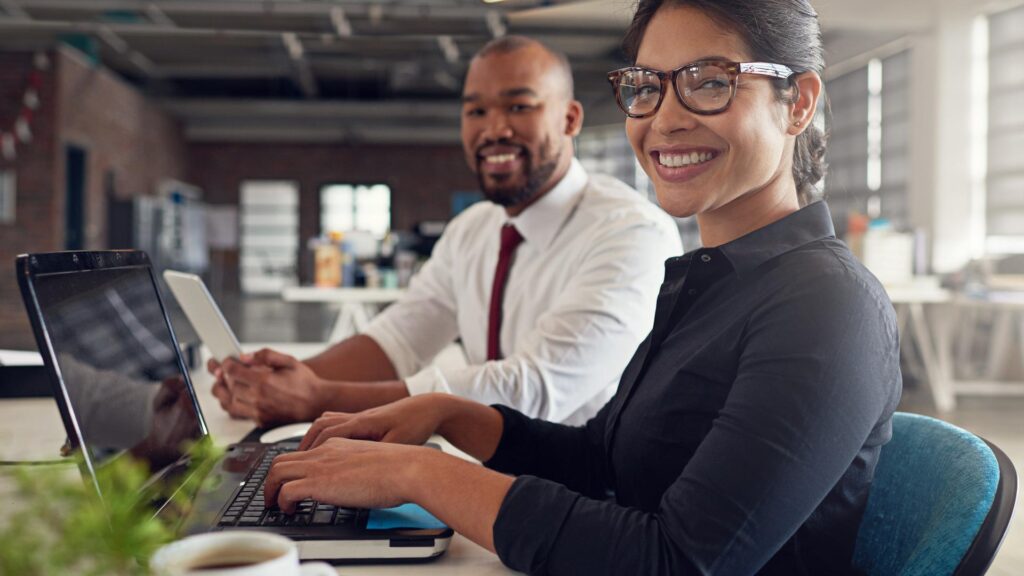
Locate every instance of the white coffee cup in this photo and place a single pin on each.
(234, 553)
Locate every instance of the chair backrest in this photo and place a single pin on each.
(940, 502)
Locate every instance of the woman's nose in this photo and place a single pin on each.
(672, 116)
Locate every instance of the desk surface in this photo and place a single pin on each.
(31, 429)
(341, 295)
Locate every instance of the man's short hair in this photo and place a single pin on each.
(507, 44)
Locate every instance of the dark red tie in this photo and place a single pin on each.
(510, 240)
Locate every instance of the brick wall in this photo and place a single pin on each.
(34, 228)
(421, 179)
(139, 145)
(123, 135)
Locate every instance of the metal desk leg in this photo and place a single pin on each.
(934, 347)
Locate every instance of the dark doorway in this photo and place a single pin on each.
(74, 204)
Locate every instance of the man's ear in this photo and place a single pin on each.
(574, 118)
(807, 89)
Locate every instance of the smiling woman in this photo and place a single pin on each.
(745, 431)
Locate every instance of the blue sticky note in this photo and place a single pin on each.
(410, 516)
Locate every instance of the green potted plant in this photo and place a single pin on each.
(61, 526)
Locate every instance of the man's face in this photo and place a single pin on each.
(517, 125)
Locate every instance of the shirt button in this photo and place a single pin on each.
(705, 258)
(692, 292)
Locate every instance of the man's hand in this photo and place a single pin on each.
(407, 421)
(353, 473)
(270, 388)
(221, 391)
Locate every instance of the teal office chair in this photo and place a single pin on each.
(940, 503)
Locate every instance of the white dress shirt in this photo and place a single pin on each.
(579, 299)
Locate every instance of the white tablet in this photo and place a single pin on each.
(203, 313)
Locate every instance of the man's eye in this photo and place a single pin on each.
(474, 112)
(519, 107)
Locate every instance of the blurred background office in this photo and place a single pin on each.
(272, 145)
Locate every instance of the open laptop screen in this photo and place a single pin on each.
(118, 363)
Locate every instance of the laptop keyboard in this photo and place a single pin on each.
(249, 509)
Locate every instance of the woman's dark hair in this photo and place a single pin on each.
(777, 31)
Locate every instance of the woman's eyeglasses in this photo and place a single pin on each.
(703, 87)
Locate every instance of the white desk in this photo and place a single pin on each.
(929, 333)
(357, 305)
(934, 331)
(31, 429)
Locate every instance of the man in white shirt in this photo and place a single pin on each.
(551, 285)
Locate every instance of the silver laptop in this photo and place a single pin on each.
(122, 388)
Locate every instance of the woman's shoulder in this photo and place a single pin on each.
(827, 270)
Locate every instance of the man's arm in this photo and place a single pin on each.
(355, 359)
(581, 343)
(358, 373)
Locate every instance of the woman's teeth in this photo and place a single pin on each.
(679, 160)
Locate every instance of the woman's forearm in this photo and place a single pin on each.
(464, 495)
(470, 426)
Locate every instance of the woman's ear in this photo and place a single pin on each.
(573, 118)
(807, 89)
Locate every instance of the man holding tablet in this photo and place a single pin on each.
(550, 285)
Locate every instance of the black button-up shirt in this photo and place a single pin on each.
(745, 431)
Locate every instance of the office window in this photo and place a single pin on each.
(846, 184)
(1004, 168)
(269, 230)
(346, 207)
(894, 140)
(8, 193)
(868, 150)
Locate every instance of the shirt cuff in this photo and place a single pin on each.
(509, 457)
(394, 348)
(529, 522)
(428, 380)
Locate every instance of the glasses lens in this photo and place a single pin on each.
(705, 87)
(639, 91)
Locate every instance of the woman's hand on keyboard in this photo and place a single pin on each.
(408, 421)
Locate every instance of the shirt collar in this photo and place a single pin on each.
(808, 224)
(540, 222)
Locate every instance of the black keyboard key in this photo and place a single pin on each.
(323, 517)
(274, 518)
(297, 520)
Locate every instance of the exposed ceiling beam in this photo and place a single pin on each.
(113, 40)
(449, 49)
(495, 23)
(342, 27)
(225, 70)
(306, 134)
(153, 30)
(372, 10)
(14, 10)
(248, 108)
(300, 65)
(123, 50)
(158, 16)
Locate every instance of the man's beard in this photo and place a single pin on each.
(514, 195)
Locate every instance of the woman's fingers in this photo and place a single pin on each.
(325, 421)
(296, 491)
(283, 470)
